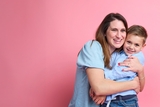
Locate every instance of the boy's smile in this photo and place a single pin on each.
(133, 44)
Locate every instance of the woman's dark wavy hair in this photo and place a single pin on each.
(101, 32)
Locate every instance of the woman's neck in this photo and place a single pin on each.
(111, 50)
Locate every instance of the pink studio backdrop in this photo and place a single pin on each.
(40, 39)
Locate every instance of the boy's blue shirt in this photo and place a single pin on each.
(117, 74)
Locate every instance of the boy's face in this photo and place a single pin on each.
(133, 44)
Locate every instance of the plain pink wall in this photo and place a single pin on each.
(40, 39)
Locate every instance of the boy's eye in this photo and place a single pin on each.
(136, 45)
(129, 42)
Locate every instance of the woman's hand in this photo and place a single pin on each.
(132, 64)
(98, 99)
(137, 89)
(91, 93)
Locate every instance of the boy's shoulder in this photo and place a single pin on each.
(139, 54)
(140, 57)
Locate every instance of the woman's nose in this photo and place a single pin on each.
(118, 34)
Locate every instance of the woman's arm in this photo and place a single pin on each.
(134, 65)
(102, 86)
(142, 80)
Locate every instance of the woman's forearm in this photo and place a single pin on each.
(141, 79)
(102, 86)
(135, 66)
(108, 87)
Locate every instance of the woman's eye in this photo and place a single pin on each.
(123, 30)
(114, 29)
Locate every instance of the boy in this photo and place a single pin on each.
(134, 43)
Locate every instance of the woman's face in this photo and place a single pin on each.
(116, 34)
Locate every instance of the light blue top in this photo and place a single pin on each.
(91, 55)
(117, 74)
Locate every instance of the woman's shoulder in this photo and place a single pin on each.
(92, 47)
(91, 55)
(92, 44)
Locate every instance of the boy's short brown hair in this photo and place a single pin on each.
(138, 31)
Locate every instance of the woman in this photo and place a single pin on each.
(95, 56)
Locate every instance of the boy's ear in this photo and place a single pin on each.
(143, 46)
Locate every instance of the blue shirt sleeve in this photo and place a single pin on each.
(91, 55)
(140, 57)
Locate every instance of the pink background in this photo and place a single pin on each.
(40, 39)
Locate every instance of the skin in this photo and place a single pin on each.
(133, 44)
(116, 34)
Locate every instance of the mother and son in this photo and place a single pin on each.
(110, 70)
